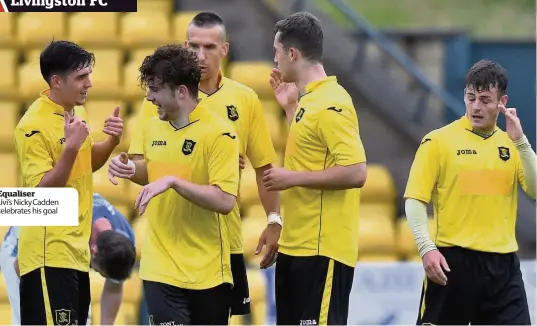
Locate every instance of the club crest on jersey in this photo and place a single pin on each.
(63, 316)
(300, 114)
(504, 153)
(232, 113)
(188, 146)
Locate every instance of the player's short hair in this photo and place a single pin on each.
(302, 31)
(62, 58)
(208, 19)
(115, 255)
(486, 74)
(171, 65)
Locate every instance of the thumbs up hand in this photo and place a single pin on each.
(113, 126)
(75, 131)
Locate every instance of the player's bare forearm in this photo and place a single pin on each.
(334, 178)
(110, 302)
(269, 199)
(59, 174)
(290, 114)
(529, 165)
(209, 197)
(140, 176)
(100, 153)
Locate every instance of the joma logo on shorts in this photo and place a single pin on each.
(308, 322)
(158, 143)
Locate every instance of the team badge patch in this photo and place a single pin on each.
(232, 113)
(63, 316)
(504, 153)
(188, 146)
(300, 114)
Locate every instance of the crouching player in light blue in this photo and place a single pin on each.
(113, 252)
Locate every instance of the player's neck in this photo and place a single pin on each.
(56, 98)
(185, 109)
(210, 85)
(483, 132)
(311, 72)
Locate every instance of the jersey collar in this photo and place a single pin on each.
(221, 79)
(57, 109)
(318, 83)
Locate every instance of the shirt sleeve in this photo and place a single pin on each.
(526, 165)
(338, 130)
(136, 145)
(259, 149)
(224, 163)
(424, 171)
(34, 157)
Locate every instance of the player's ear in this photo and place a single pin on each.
(55, 81)
(225, 49)
(181, 92)
(294, 54)
(503, 100)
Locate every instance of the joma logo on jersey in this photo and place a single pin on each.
(62, 140)
(158, 143)
(466, 151)
(232, 113)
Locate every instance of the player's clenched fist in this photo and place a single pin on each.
(113, 126)
(277, 179)
(75, 131)
(120, 166)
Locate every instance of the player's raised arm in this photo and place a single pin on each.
(36, 162)
(100, 152)
(526, 160)
(286, 94)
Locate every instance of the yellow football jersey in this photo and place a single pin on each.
(323, 134)
(39, 141)
(186, 245)
(473, 184)
(240, 105)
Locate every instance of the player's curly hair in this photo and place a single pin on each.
(116, 255)
(171, 65)
(62, 58)
(486, 74)
(302, 31)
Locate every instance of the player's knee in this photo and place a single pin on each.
(115, 255)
